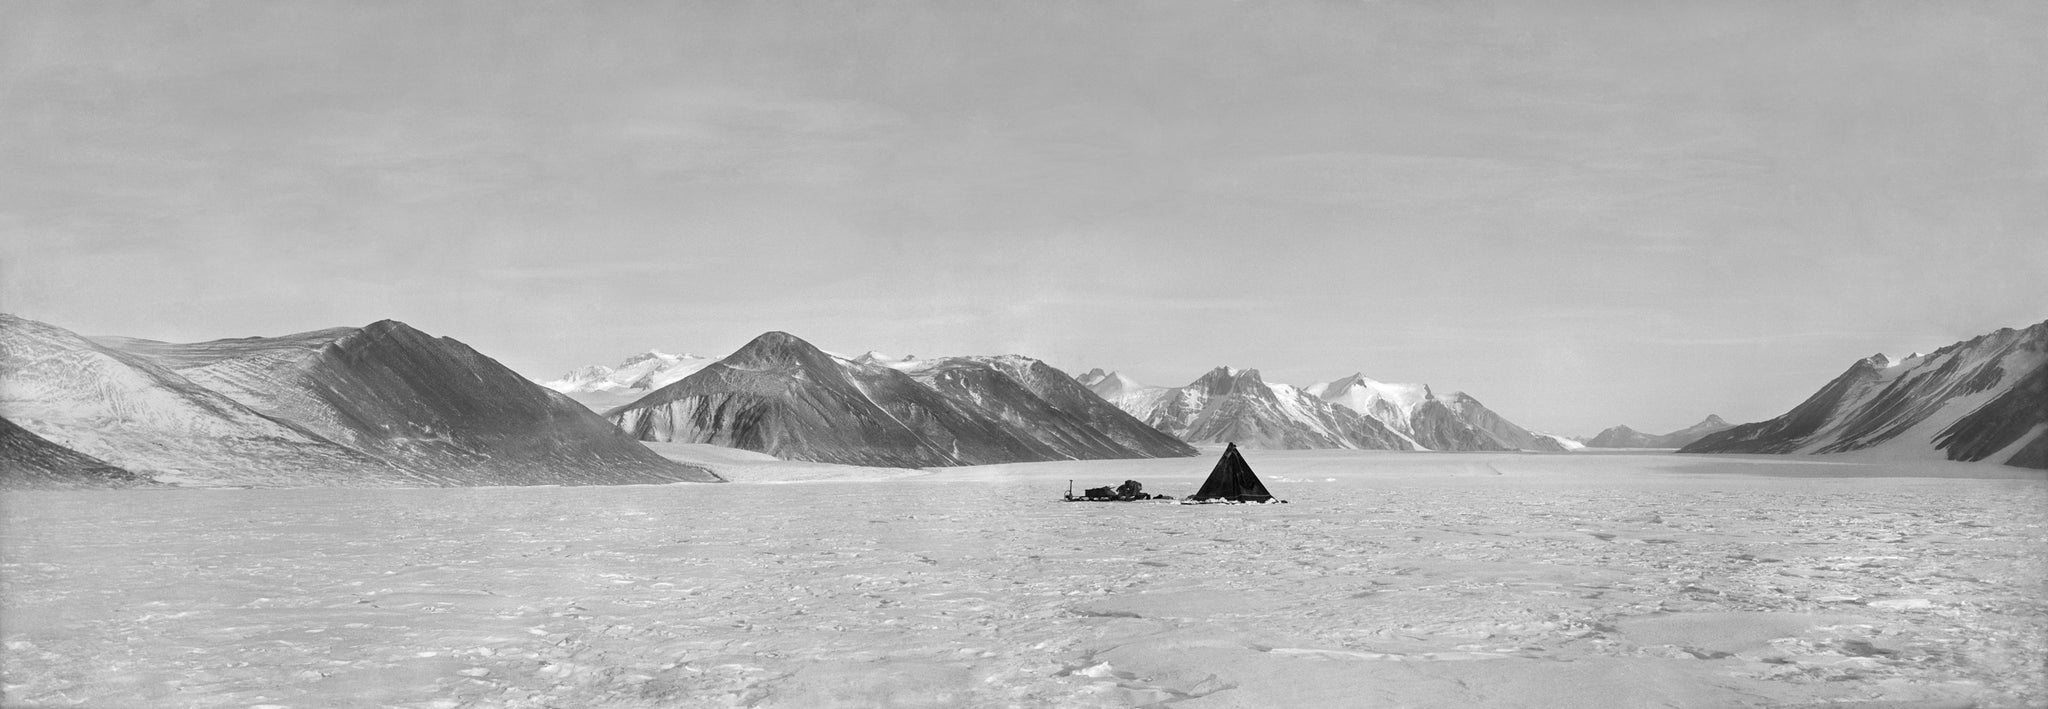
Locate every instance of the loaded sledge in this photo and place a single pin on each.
(1130, 491)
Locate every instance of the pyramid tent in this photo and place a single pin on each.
(1233, 480)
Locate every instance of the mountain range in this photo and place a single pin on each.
(1625, 437)
(782, 396)
(1985, 398)
(388, 405)
(1228, 405)
(380, 405)
(600, 387)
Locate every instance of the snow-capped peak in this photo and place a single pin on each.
(645, 371)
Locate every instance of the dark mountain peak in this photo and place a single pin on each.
(1713, 420)
(391, 326)
(1619, 429)
(1224, 381)
(778, 347)
(386, 330)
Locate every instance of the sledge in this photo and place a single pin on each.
(1130, 491)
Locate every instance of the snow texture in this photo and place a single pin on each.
(1392, 579)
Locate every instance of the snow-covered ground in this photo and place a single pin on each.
(1392, 579)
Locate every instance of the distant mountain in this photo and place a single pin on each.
(1051, 407)
(1391, 403)
(780, 395)
(1982, 399)
(1500, 429)
(1625, 437)
(1455, 422)
(1229, 405)
(603, 388)
(379, 405)
(1108, 386)
(34, 462)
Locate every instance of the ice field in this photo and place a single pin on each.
(1391, 579)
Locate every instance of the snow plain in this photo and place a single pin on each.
(1391, 579)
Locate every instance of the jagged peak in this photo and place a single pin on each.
(1713, 420)
(1340, 384)
(1226, 380)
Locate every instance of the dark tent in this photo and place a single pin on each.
(1233, 480)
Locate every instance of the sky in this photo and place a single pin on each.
(1582, 213)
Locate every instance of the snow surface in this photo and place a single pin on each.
(1391, 579)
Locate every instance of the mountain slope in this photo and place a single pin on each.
(1985, 398)
(31, 461)
(425, 404)
(1048, 405)
(138, 415)
(1500, 429)
(780, 395)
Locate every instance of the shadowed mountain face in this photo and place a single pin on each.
(33, 462)
(381, 405)
(422, 403)
(138, 415)
(1437, 426)
(1047, 404)
(1625, 437)
(1497, 428)
(781, 396)
(1986, 398)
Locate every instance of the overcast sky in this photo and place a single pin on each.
(1583, 213)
